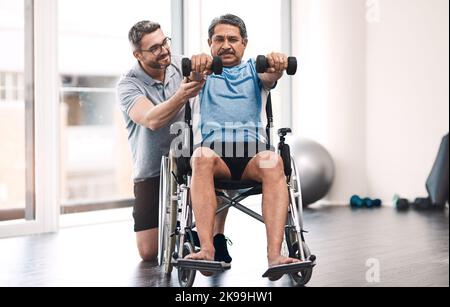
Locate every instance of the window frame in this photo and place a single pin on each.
(42, 123)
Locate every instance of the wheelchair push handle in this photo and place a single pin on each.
(284, 132)
(216, 67)
(262, 65)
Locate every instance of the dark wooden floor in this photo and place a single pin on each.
(412, 250)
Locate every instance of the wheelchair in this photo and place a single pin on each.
(177, 222)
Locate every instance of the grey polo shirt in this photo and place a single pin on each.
(148, 146)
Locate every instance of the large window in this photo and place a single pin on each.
(92, 51)
(96, 165)
(15, 108)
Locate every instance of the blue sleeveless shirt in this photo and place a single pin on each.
(231, 106)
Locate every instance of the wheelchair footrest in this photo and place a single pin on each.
(201, 265)
(288, 268)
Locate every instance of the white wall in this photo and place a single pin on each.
(329, 98)
(373, 89)
(407, 94)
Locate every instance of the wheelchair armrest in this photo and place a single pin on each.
(285, 153)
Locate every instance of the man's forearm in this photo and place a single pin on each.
(162, 114)
(270, 79)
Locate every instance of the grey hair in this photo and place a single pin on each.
(138, 31)
(228, 19)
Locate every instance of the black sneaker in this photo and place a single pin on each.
(220, 244)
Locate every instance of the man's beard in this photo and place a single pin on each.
(156, 64)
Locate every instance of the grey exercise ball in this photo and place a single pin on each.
(316, 168)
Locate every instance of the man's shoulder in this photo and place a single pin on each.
(130, 76)
(135, 77)
(176, 63)
(176, 60)
(251, 65)
(250, 61)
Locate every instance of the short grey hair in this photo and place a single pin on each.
(138, 31)
(228, 19)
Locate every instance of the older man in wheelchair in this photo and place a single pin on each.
(230, 125)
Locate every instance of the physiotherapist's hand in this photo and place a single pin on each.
(278, 62)
(189, 89)
(201, 64)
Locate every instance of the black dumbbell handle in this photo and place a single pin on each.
(262, 65)
(216, 67)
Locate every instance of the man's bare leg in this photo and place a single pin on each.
(147, 243)
(206, 165)
(275, 202)
(219, 225)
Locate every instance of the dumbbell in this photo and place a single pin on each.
(217, 66)
(262, 65)
(372, 203)
(422, 203)
(358, 202)
(401, 204)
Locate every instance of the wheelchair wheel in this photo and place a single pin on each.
(186, 277)
(291, 240)
(167, 214)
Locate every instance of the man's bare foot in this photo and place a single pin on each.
(202, 255)
(280, 260)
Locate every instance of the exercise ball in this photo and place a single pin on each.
(315, 167)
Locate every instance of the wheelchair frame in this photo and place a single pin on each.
(176, 218)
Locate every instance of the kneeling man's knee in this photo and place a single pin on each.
(148, 253)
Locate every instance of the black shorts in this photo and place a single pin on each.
(146, 206)
(237, 155)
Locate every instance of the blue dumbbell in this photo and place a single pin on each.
(356, 202)
(377, 203)
(372, 203)
(368, 203)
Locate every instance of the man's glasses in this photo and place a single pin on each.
(157, 49)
